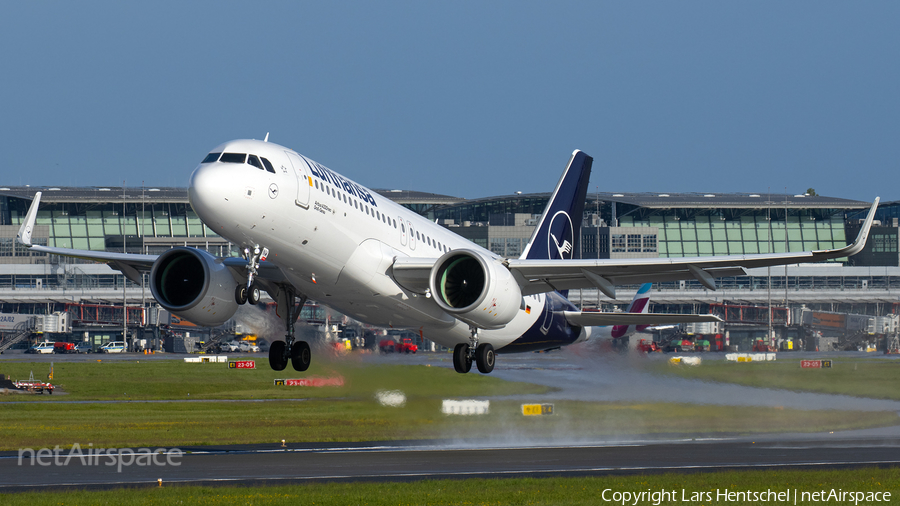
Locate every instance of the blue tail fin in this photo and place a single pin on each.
(557, 234)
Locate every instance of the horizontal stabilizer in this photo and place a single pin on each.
(591, 319)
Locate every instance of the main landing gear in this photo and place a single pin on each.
(250, 292)
(280, 352)
(482, 354)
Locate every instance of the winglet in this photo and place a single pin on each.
(24, 235)
(863, 235)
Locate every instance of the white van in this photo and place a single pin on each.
(113, 347)
(44, 347)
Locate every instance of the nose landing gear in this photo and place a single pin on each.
(250, 292)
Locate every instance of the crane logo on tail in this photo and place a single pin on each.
(561, 233)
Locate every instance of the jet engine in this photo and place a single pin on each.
(475, 289)
(194, 285)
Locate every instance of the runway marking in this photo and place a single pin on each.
(462, 473)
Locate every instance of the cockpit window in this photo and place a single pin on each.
(268, 165)
(254, 161)
(210, 158)
(233, 158)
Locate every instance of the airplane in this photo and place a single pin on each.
(639, 305)
(306, 231)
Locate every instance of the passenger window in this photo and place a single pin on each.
(233, 158)
(395, 223)
(212, 157)
(254, 161)
(268, 165)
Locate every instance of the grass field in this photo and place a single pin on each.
(214, 405)
(517, 491)
(850, 376)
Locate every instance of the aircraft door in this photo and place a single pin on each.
(402, 232)
(304, 179)
(412, 235)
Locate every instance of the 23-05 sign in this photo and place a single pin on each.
(242, 364)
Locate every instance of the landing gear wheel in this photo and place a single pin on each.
(461, 361)
(484, 358)
(253, 294)
(277, 360)
(300, 356)
(240, 294)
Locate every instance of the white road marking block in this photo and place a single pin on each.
(465, 407)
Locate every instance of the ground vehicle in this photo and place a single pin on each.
(680, 345)
(248, 347)
(228, 348)
(761, 345)
(42, 347)
(113, 347)
(62, 347)
(648, 346)
(84, 347)
(406, 345)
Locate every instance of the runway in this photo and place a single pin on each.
(436, 460)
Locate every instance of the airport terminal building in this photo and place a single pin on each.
(615, 225)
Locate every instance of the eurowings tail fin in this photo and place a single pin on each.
(639, 304)
(556, 235)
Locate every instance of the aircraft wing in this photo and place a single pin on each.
(539, 276)
(593, 319)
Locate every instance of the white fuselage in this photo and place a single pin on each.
(335, 240)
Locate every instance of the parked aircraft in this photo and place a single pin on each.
(306, 231)
(640, 304)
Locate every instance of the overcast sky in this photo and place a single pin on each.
(469, 99)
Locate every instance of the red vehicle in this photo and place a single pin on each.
(406, 345)
(760, 345)
(648, 346)
(61, 347)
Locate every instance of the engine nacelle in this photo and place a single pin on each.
(476, 289)
(194, 285)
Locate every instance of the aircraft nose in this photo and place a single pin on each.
(211, 192)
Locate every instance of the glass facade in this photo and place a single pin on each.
(683, 229)
(712, 233)
(100, 227)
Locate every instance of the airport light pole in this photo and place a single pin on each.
(769, 268)
(124, 279)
